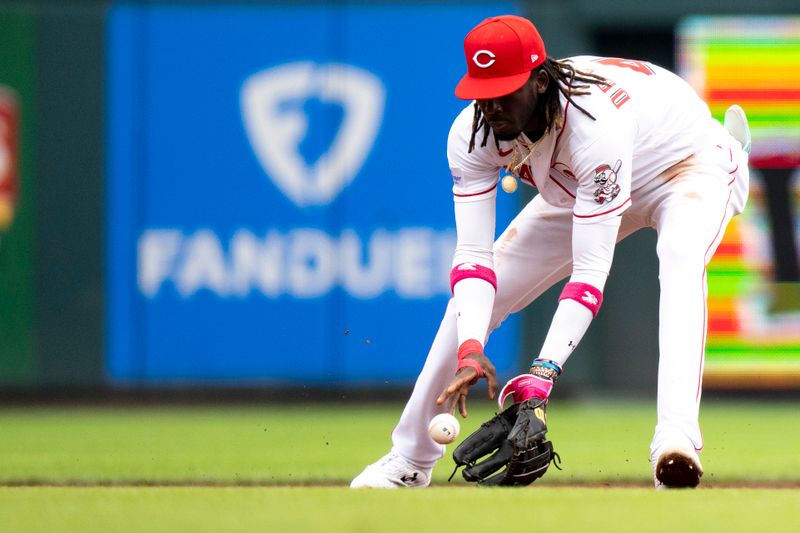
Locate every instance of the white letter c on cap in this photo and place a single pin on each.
(485, 64)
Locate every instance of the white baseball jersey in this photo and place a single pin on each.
(646, 119)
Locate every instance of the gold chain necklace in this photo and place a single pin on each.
(515, 164)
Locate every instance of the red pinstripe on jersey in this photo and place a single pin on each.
(490, 189)
(730, 154)
(561, 186)
(620, 206)
(703, 283)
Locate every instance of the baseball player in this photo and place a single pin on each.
(612, 146)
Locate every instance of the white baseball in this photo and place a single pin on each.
(509, 183)
(444, 428)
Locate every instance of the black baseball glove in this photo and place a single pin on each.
(514, 439)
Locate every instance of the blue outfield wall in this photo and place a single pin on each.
(279, 202)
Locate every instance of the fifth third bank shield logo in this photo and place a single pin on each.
(276, 128)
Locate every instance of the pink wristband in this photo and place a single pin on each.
(467, 347)
(587, 295)
(472, 270)
(463, 363)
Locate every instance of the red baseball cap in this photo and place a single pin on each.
(500, 52)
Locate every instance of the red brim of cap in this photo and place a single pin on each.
(483, 88)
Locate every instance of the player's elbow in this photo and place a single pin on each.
(471, 253)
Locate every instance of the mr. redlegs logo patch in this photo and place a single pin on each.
(9, 156)
(606, 179)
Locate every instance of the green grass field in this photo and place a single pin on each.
(278, 468)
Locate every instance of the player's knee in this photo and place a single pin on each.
(500, 311)
(681, 251)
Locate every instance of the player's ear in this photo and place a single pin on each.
(541, 80)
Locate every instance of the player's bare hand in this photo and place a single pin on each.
(458, 389)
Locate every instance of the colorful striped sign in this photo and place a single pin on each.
(753, 62)
(753, 322)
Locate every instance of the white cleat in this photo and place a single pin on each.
(736, 124)
(677, 467)
(391, 472)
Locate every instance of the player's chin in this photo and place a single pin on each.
(505, 132)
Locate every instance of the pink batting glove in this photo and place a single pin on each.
(525, 387)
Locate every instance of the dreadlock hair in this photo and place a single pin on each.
(565, 79)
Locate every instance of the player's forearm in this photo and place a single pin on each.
(568, 327)
(580, 301)
(474, 300)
